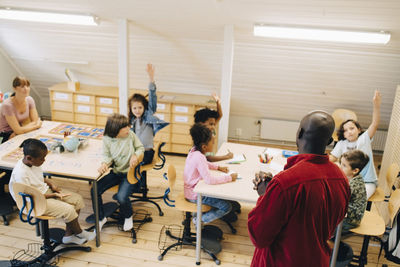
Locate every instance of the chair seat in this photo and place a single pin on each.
(371, 224)
(182, 204)
(378, 196)
(44, 217)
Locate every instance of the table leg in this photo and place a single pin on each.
(198, 229)
(336, 246)
(96, 213)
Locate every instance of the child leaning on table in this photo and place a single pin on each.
(197, 167)
(351, 163)
(59, 203)
(210, 118)
(121, 150)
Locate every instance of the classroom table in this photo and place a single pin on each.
(242, 189)
(80, 165)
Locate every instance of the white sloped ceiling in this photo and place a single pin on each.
(184, 39)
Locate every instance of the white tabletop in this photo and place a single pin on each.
(242, 189)
(83, 163)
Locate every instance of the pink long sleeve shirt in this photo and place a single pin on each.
(197, 167)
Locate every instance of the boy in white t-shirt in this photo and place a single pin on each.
(60, 203)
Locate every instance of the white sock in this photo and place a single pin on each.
(73, 239)
(102, 222)
(87, 235)
(128, 224)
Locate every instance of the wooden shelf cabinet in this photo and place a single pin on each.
(92, 104)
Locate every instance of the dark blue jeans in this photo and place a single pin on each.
(220, 208)
(125, 189)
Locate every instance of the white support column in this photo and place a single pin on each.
(226, 83)
(123, 65)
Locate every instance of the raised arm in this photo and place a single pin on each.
(376, 114)
(152, 89)
(219, 108)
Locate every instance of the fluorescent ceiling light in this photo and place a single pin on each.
(47, 16)
(321, 34)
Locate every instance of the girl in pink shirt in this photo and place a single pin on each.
(197, 167)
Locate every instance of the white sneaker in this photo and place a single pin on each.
(194, 220)
(73, 239)
(128, 224)
(87, 235)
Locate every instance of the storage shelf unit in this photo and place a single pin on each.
(92, 104)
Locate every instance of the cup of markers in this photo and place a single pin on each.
(265, 158)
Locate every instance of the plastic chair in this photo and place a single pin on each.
(339, 116)
(210, 234)
(139, 174)
(32, 204)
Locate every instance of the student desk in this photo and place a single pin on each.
(82, 165)
(241, 189)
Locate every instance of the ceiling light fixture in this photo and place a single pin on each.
(317, 34)
(48, 16)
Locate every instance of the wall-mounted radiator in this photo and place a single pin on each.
(281, 130)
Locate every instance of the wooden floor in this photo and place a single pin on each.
(118, 250)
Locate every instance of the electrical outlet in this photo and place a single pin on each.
(238, 131)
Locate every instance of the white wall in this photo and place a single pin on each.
(7, 74)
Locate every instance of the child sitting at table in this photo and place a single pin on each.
(210, 118)
(121, 150)
(59, 203)
(351, 163)
(197, 167)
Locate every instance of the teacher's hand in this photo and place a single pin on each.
(261, 181)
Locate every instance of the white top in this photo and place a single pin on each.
(363, 143)
(24, 174)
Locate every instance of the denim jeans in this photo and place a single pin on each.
(220, 208)
(125, 189)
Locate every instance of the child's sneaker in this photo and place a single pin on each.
(194, 220)
(87, 235)
(128, 224)
(73, 239)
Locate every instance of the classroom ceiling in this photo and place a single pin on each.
(271, 78)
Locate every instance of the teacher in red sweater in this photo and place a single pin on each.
(299, 209)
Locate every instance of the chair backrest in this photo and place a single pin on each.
(394, 204)
(24, 204)
(392, 174)
(339, 116)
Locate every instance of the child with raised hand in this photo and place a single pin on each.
(197, 167)
(122, 150)
(59, 203)
(351, 163)
(351, 137)
(144, 124)
(210, 118)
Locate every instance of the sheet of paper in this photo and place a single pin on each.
(237, 158)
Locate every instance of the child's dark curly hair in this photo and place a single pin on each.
(137, 98)
(340, 131)
(356, 159)
(33, 147)
(201, 135)
(204, 114)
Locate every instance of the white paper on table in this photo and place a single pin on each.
(275, 167)
(238, 177)
(237, 158)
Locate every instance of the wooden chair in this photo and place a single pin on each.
(371, 224)
(139, 174)
(391, 176)
(32, 204)
(210, 246)
(339, 116)
(6, 201)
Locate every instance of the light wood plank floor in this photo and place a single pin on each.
(118, 250)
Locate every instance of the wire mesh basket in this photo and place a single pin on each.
(25, 257)
(139, 218)
(169, 235)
